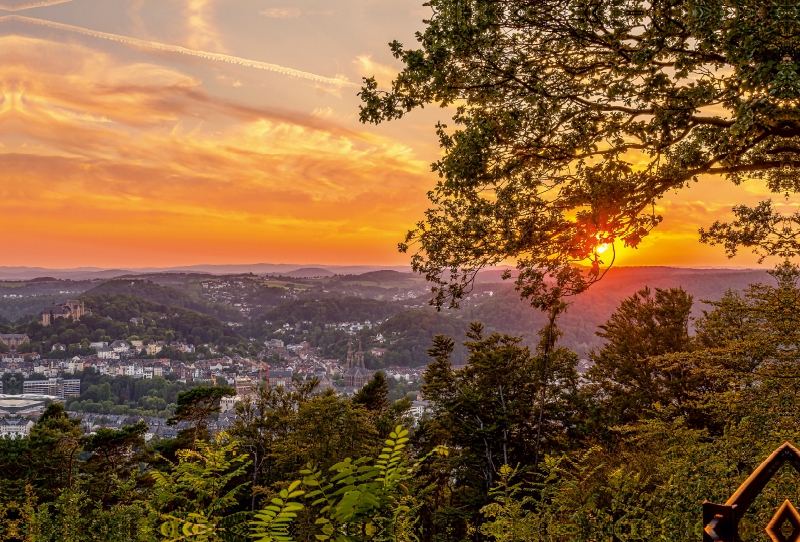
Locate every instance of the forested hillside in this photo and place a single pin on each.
(27, 298)
(165, 295)
(15, 309)
(408, 337)
(111, 320)
(330, 310)
(505, 311)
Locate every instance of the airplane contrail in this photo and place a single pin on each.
(183, 50)
(34, 5)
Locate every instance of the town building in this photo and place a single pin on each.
(244, 386)
(419, 409)
(13, 340)
(15, 427)
(280, 378)
(56, 387)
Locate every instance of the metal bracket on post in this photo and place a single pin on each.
(719, 523)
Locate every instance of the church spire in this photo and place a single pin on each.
(360, 355)
(350, 354)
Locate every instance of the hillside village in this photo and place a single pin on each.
(295, 363)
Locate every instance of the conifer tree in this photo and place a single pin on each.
(644, 326)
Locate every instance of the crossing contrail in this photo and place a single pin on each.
(32, 5)
(183, 50)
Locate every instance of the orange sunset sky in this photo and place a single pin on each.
(141, 133)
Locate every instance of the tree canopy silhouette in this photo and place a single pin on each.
(573, 117)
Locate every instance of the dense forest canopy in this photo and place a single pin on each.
(408, 336)
(572, 118)
(164, 295)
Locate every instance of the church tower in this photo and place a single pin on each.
(350, 356)
(356, 374)
(360, 356)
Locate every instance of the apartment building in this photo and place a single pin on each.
(57, 387)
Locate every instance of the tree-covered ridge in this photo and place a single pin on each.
(408, 337)
(111, 319)
(385, 275)
(330, 310)
(164, 295)
(24, 299)
(29, 308)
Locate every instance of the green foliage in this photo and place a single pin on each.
(373, 396)
(12, 382)
(508, 518)
(488, 410)
(164, 295)
(643, 327)
(362, 500)
(196, 405)
(272, 522)
(103, 394)
(200, 489)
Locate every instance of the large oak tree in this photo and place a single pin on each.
(573, 117)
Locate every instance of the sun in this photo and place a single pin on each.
(601, 248)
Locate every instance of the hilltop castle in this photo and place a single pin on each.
(73, 308)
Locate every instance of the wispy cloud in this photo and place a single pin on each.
(202, 33)
(282, 13)
(182, 50)
(292, 13)
(31, 5)
(383, 73)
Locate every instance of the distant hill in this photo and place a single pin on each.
(78, 273)
(157, 293)
(385, 275)
(506, 312)
(111, 316)
(330, 311)
(409, 333)
(82, 273)
(308, 272)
